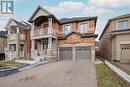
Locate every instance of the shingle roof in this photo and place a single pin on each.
(3, 33)
(23, 24)
(75, 19)
(81, 35)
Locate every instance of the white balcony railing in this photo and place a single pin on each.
(13, 37)
(42, 32)
(13, 54)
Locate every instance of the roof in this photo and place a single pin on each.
(3, 34)
(81, 35)
(39, 7)
(21, 24)
(114, 18)
(63, 20)
(76, 19)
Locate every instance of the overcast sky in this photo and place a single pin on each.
(104, 9)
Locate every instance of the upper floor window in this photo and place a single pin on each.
(123, 24)
(67, 29)
(83, 27)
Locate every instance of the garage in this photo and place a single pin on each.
(65, 53)
(125, 52)
(83, 53)
(80, 52)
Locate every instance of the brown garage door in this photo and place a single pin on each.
(83, 52)
(65, 53)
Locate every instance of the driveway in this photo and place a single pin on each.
(66, 73)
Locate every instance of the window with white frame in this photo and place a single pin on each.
(83, 27)
(122, 24)
(67, 29)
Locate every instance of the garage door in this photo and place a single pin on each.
(83, 53)
(65, 53)
(125, 52)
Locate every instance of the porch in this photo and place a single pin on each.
(13, 53)
(44, 48)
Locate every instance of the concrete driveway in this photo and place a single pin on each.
(65, 73)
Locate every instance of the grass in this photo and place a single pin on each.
(107, 78)
(8, 64)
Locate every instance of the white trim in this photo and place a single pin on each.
(45, 36)
(125, 42)
(75, 45)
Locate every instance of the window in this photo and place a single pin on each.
(12, 47)
(123, 24)
(67, 29)
(83, 27)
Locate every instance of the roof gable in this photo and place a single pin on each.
(10, 23)
(39, 12)
(13, 22)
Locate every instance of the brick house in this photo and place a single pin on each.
(3, 44)
(18, 40)
(115, 39)
(67, 38)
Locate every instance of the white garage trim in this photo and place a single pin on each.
(125, 42)
(75, 45)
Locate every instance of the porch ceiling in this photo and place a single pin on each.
(40, 20)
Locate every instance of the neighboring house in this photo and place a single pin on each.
(3, 44)
(18, 39)
(67, 38)
(115, 39)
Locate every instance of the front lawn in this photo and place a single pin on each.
(8, 64)
(107, 78)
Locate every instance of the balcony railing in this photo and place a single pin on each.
(13, 37)
(42, 32)
(13, 54)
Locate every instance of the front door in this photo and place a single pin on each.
(45, 44)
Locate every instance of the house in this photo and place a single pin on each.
(3, 44)
(115, 39)
(18, 39)
(67, 38)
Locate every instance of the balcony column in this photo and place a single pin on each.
(8, 46)
(32, 30)
(49, 50)
(17, 43)
(50, 26)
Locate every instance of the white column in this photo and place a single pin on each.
(32, 30)
(17, 43)
(50, 26)
(93, 55)
(50, 43)
(33, 45)
(73, 50)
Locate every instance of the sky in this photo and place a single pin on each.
(104, 9)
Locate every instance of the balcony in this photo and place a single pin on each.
(13, 37)
(43, 32)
